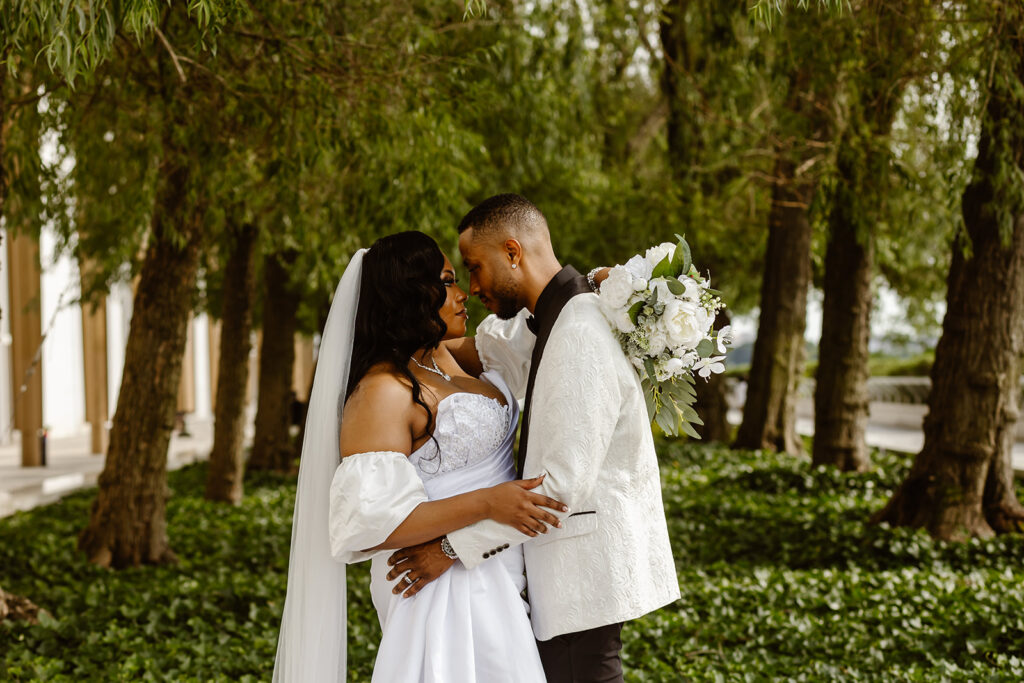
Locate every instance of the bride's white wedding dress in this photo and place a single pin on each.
(467, 625)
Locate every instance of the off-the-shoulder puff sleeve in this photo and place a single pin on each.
(371, 494)
(507, 347)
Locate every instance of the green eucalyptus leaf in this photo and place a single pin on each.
(682, 259)
(667, 420)
(652, 300)
(705, 348)
(663, 269)
(634, 311)
(649, 369)
(689, 430)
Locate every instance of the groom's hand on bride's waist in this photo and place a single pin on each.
(416, 566)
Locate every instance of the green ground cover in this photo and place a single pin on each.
(781, 580)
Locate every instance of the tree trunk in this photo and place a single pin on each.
(961, 483)
(841, 390)
(889, 41)
(128, 526)
(712, 401)
(224, 479)
(769, 414)
(16, 608)
(271, 448)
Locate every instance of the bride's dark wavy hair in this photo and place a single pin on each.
(400, 299)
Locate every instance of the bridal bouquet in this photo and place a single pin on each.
(663, 311)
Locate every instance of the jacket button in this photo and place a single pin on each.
(504, 546)
(486, 556)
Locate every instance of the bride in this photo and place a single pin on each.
(425, 449)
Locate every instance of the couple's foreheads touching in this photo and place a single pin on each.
(506, 247)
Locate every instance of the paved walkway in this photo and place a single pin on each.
(70, 467)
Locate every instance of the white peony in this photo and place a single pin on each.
(685, 322)
(617, 288)
(657, 254)
(639, 268)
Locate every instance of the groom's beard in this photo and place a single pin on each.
(505, 299)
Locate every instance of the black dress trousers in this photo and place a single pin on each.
(590, 656)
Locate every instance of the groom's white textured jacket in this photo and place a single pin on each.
(589, 431)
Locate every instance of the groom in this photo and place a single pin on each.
(585, 425)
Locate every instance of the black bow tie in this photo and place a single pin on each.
(531, 323)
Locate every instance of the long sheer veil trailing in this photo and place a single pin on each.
(311, 647)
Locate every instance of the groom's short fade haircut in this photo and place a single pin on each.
(507, 215)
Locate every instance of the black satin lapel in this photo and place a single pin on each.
(576, 285)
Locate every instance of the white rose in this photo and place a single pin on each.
(657, 254)
(692, 288)
(639, 268)
(684, 323)
(616, 288)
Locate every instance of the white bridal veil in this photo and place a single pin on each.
(312, 645)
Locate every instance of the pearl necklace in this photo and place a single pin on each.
(436, 370)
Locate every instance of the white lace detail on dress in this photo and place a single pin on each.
(469, 427)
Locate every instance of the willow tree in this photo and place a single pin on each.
(961, 484)
(802, 149)
(227, 465)
(42, 44)
(371, 148)
(711, 128)
(180, 112)
(887, 52)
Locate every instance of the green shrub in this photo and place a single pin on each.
(781, 579)
(880, 365)
(914, 366)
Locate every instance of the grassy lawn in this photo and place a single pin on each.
(781, 580)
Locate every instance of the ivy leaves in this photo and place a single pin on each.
(781, 580)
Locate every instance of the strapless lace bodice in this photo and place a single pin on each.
(469, 428)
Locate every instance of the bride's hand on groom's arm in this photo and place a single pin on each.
(512, 503)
